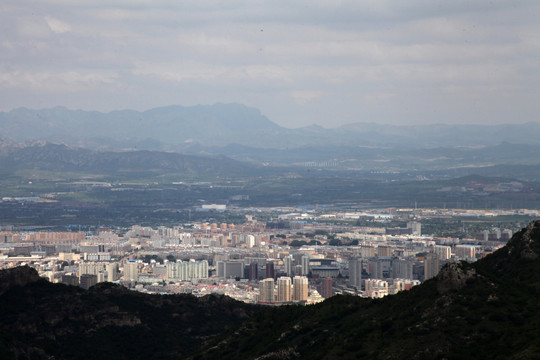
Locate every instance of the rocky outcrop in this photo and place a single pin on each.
(526, 243)
(454, 276)
(19, 276)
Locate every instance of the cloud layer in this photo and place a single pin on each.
(302, 62)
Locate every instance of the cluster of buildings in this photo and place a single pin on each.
(284, 291)
(253, 262)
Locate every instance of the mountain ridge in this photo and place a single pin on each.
(39, 155)
(172, 127)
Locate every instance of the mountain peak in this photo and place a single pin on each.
(526, 243)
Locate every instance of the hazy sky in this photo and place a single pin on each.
(299, 61)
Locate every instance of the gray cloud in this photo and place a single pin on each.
(301, 62)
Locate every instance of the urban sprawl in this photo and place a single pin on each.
(297, 257)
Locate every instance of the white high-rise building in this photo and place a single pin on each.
(416, 227)
(466, 251)
(250, 241)
(443, 252)
(191, 270)
(131, 270)
(91, 268)
(284, 289)
(112, 271)
(300, 288)
(266, 288)
(376, 288)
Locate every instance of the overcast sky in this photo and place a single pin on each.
(300, 62)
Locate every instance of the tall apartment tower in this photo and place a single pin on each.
(300, 288)
(70, 279)
(266, 288)
(112, 271)
(131, 270)
(253, 271)
(327, 288)
(187, 270)
(284, 289)
(466, 251)
(416, 227)
(443, 252)
(402, 269)
(288, 264)
(86, 281)
(305, 265)
(431, 266)
(270, 272)
(355, 272)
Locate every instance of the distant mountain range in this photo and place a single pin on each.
(484, 310)
(127, 140)
(61, 158)
(156, 129)
(177, 128)
(503, 160)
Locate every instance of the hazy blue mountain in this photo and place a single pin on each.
(62, 158)
(177, 127)
(391, 159)
(218, 124)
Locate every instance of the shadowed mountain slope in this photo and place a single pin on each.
(40, 320)
(485, 310)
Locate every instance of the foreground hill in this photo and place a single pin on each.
(40, 320)
(485, 310)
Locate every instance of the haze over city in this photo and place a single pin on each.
(304, 62)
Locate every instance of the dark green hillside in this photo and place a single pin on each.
(40, 320)
(485, 310)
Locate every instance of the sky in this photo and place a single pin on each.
(300, 62)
